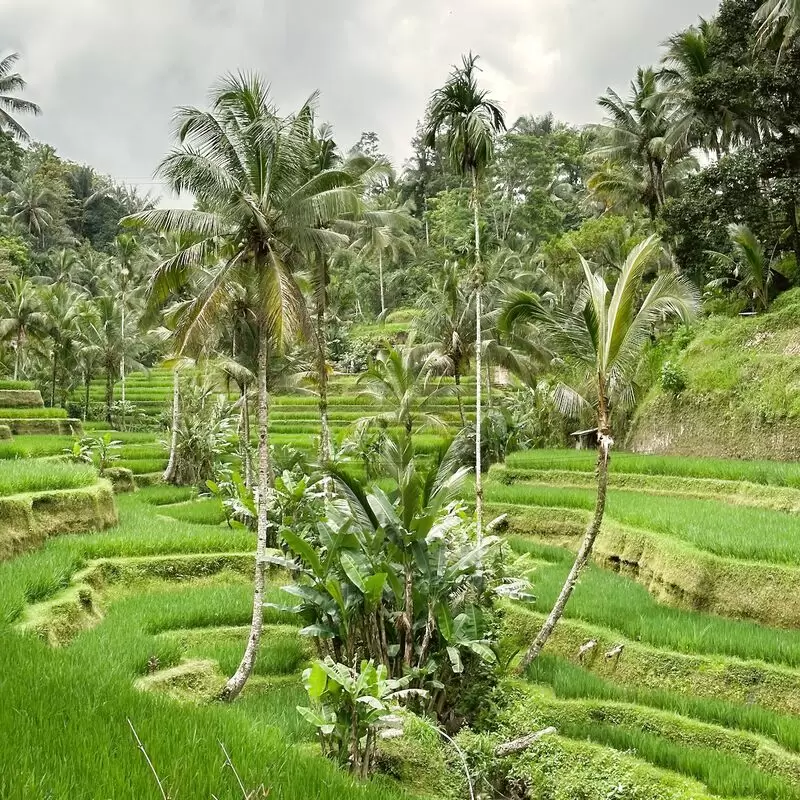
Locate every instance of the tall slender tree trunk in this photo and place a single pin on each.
(171, 472)
(235, 685)
(122, 359)
(478, 355)
(380, 278)
(109, 395)
(457, 376)
(53, 380)
(87, 383)
(322, 365)
(248, 463)
(604, 445)
(18, 355)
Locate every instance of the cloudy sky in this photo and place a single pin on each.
(108, 73)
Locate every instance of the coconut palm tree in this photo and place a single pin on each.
(29, 205)
(10, 83)
(401, 382)
(778, 17)
(22, 316)
(468, 119)
(602, 339)
(646, 144)
(260, 215)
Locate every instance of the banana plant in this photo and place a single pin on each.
(352, 708)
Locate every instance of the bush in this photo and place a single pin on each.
(673, 378)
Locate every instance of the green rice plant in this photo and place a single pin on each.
(208, 511)
(143, 466)
(613, 601)
(753, 534)
(7, 383)
(33, 446)
(570, 681)
(768, 472)
(23, 476)
(32, 413)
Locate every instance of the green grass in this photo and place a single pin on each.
(207, 511)
(613, 601)
(752, 534)
(32, 446)
(143, 466)
(33, 413)
(767, 472)
(570, 681)
(7, 383)
(24, 476)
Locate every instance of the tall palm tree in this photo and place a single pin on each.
(20, 316)
(646, 142)
(602, 338)
(260, 214)
(778, 17)
(60, 307)
(469, 120)
(382, 232)
(10, 83)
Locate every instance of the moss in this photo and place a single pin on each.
(46, 426)
(420, 760)
(121, 478)
(20, 398)
(26, 520)
(674, 572)
(717, 677)
(5, 432)
(148, 479)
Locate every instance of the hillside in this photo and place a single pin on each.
(741, 398)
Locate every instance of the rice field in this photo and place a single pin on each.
(705, 697)
(24, 476)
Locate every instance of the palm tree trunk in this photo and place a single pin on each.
(590, 536)
(171, 472)
(380, 278)
(248, 464)
(109, 395)
(457, 375)
(322, 369)
(53, 380)
(18, 355)
(236, 683)
(87, 383)
(478, 372)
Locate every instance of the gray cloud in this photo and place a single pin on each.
(108, 78)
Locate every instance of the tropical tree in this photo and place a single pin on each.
(646, 146)
(447, 321)
(401, 382)
(468, 119)
(10, 83)
(260, 214)
(749, 266)
(20, 306)
(29, 205)
(776, 17)
(601, 339)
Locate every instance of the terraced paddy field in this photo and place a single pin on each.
(696, 576)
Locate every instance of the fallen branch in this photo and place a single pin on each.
(139, 744)
(523, 743)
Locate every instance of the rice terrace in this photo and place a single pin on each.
(465, 468)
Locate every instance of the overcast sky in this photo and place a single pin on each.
(108, 73)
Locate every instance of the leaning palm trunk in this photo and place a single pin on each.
(18, 355)
(171, 472)
(478, 372)
(584, 553)
(235, 685)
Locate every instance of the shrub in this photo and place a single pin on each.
(673, 378)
